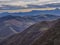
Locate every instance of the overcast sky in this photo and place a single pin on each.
(25, 2)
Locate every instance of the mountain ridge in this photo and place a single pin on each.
(31, 34)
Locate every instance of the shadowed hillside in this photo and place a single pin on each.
(51, 37)
(43, 33)
(10, 25)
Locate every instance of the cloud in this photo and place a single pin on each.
(26, 2)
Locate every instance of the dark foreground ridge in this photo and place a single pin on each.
(43, 33)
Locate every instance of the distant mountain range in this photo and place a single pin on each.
(10, 25)
(33, 13)
(42, 33)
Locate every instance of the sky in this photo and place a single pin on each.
(26, 2)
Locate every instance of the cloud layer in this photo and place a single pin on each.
(26, 2)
